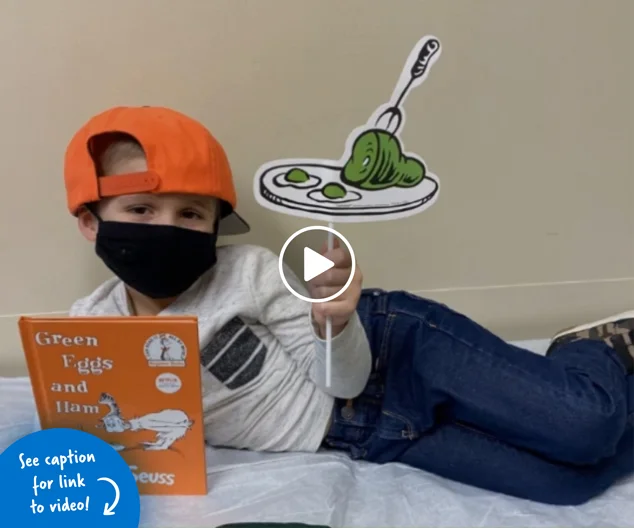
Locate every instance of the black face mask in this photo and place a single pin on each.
(159, 261)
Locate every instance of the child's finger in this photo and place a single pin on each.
(321, 292)
(340, 257)
(336, 243)
(334, 309)
(332, 277)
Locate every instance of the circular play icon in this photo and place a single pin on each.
(314, 264)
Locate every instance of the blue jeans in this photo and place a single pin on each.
(451, 398)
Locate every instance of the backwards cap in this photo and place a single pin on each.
(182, 157)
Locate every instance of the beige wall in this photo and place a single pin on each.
(527, 119)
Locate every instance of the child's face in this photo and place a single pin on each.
(181, 210)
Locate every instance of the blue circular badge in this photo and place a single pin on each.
(65, 477)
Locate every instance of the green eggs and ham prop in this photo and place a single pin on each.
(375, 179)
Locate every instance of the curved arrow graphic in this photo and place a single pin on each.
(108, 509)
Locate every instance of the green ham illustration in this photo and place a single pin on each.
(377, 162)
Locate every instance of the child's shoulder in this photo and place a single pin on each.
(236, 262)
(102, 301)
(245, 253)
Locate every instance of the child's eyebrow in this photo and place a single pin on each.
(204, 205)
(136, 197)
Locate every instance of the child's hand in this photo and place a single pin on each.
(341, 308)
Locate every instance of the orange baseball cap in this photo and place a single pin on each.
(182, 157)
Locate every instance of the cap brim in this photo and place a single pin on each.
(232, 224)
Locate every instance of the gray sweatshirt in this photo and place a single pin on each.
(263, 366)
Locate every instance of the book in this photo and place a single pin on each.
(133, 382)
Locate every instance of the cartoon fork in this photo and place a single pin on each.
(392, 117)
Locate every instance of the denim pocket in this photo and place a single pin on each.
(360, 413)
(374, 389)
(393, 426)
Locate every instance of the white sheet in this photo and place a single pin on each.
(330, 489)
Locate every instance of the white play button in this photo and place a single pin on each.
(315, 264)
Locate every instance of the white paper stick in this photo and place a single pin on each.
(331, 244)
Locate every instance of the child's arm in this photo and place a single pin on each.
(289, 319)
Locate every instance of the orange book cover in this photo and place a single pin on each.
(134, 382)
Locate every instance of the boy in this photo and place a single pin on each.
(412, 380)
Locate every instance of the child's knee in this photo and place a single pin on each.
(593, 436)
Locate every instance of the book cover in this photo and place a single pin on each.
(134, 382)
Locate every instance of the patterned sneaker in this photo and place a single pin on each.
(616, 331)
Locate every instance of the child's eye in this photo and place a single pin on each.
(139, 209)
(192, 215)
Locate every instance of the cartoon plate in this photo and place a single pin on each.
(374, 180)
(340, 198)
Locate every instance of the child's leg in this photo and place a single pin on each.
(442, 367)
(470, 457)
(367, 430)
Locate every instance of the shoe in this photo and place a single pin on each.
(616, 331)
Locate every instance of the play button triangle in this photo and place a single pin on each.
(315, 264)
